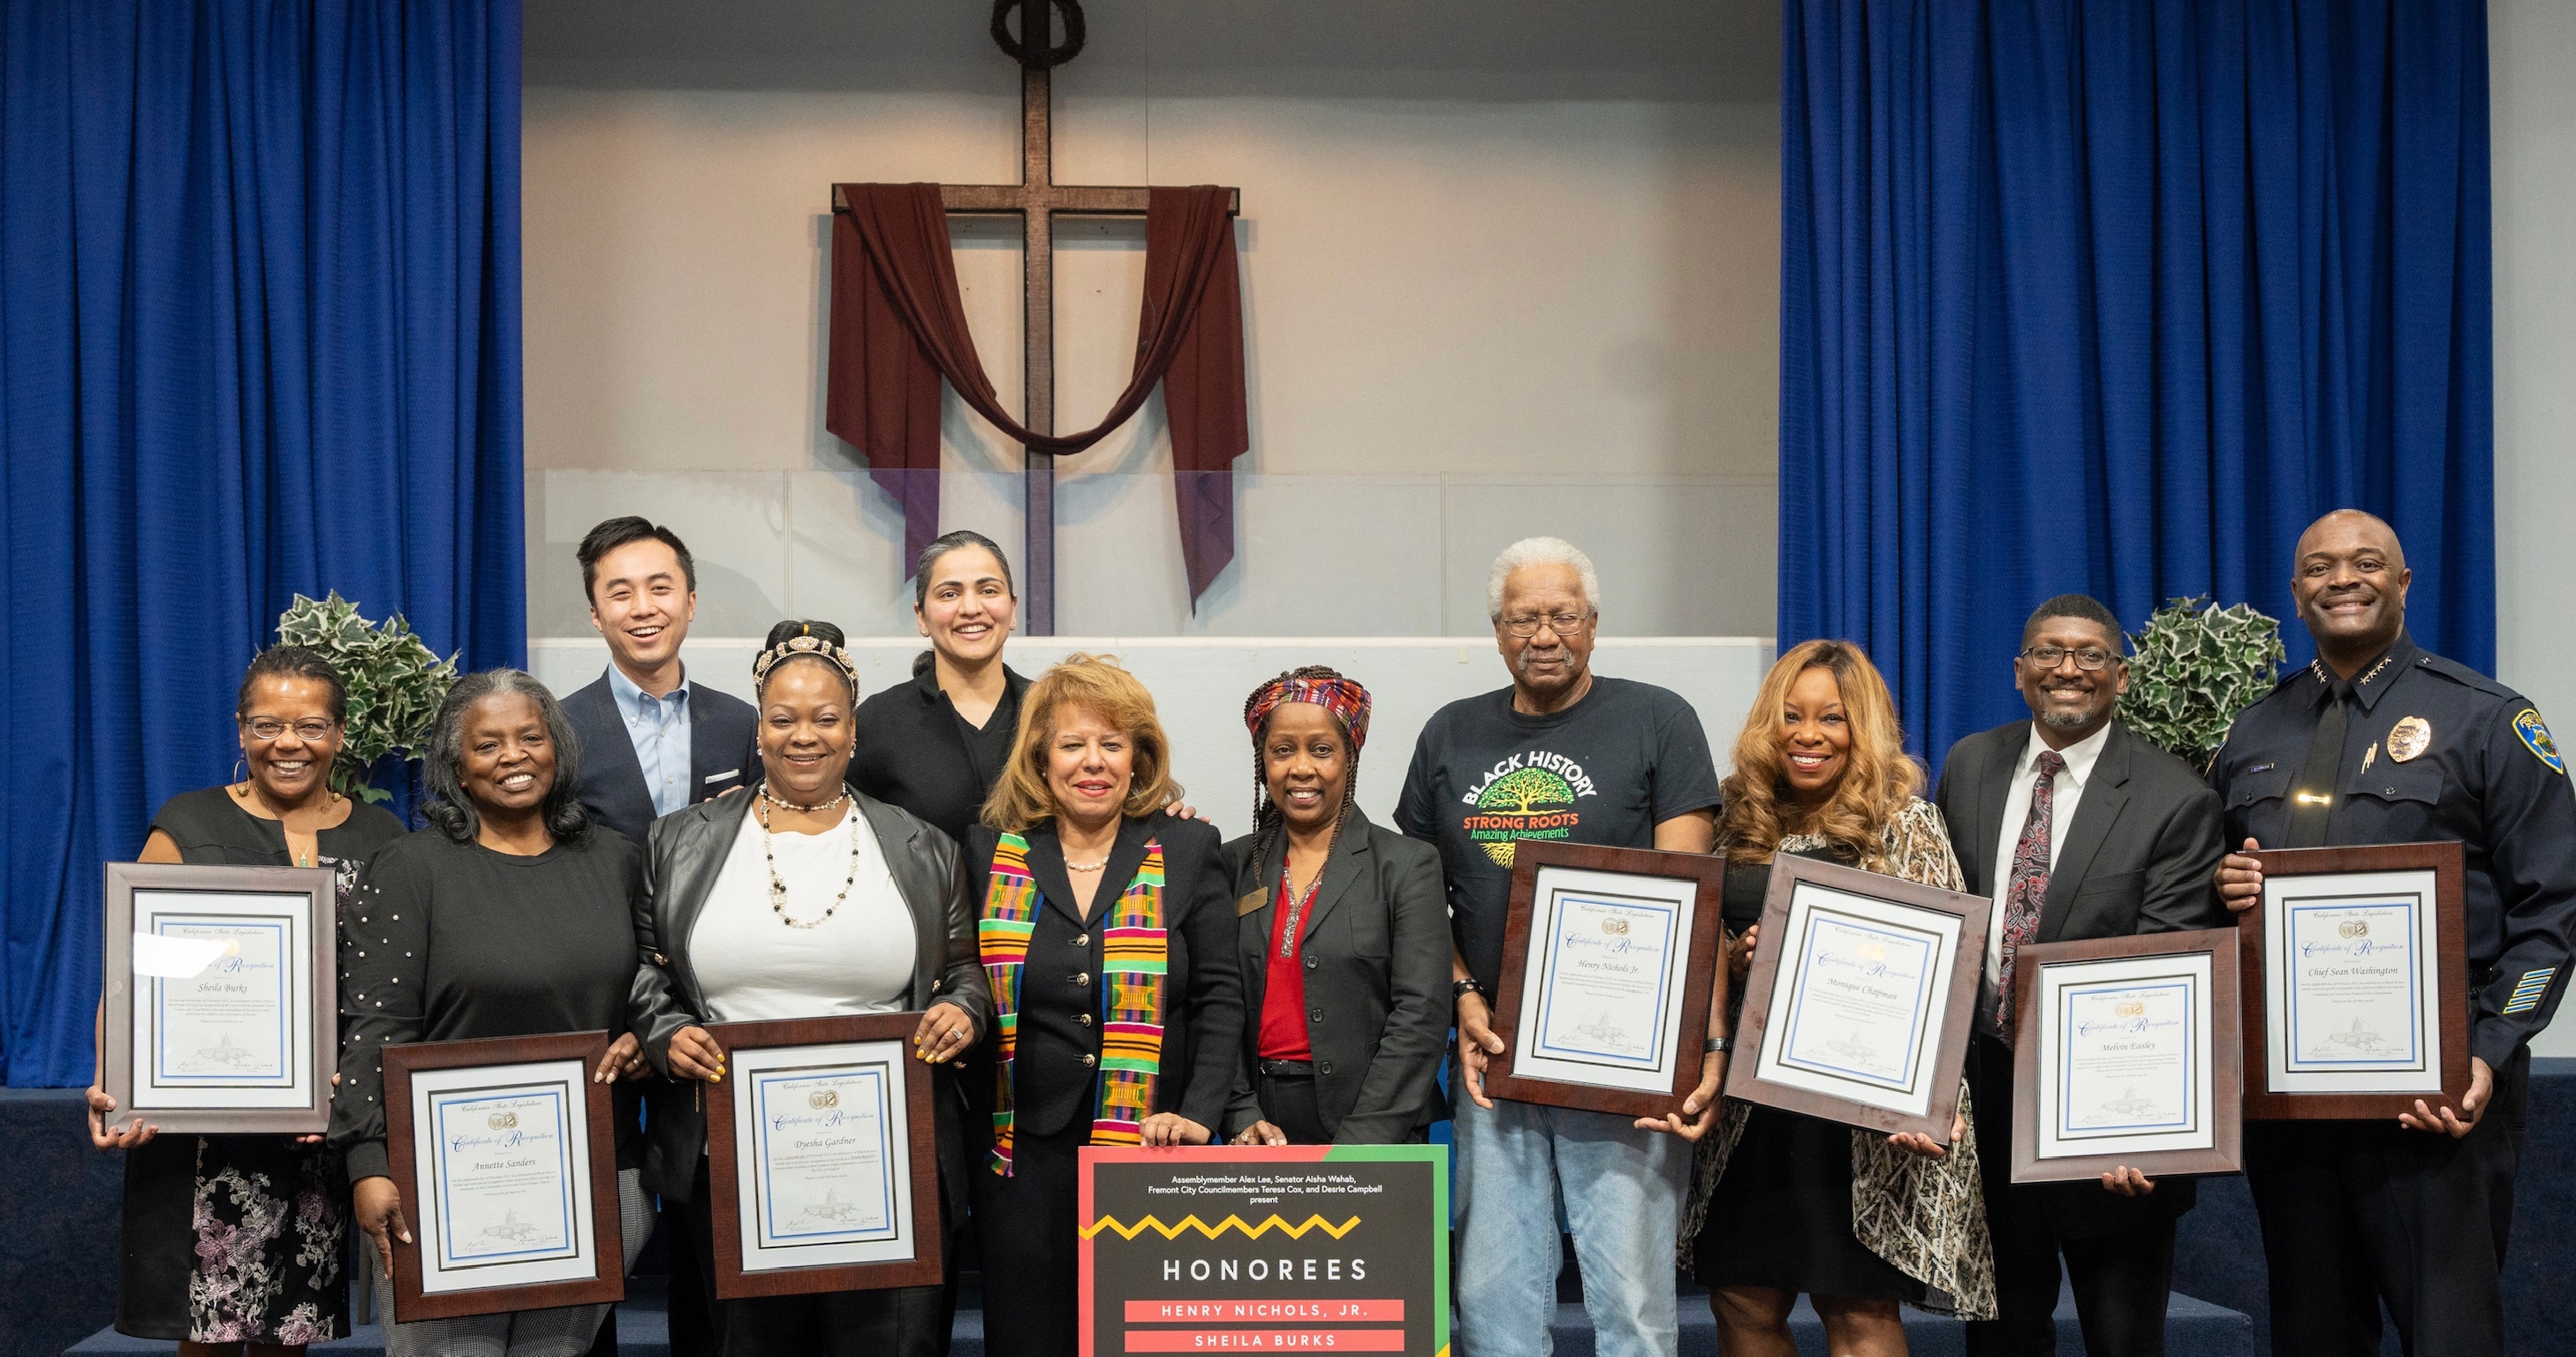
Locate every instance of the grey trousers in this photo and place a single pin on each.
(565, 1332)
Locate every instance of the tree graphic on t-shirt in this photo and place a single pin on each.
(1509, 801)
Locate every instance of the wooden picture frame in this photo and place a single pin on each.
(196, 919)
(2218, 1093)
(835, 1046)
(1942, 934)
(504, 1065)
(2446, 998)
(1651, 1084)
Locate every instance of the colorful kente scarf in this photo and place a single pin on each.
(1135, 962)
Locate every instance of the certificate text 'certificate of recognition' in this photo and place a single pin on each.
(822, 1155)
(2350, 974)
(1858, 998)
(1601, 996)
(502, 1168)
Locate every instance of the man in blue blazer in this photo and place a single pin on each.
(2122, 840)
(651, 741)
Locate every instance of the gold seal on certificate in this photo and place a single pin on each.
(1858, 1004)
(2356, 980)
(2128, 1056)
(820, 1158)
(1609, 957)
(220, 997)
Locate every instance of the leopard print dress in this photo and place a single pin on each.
(1926, 1217)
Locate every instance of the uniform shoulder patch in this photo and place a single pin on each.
(2535, 737)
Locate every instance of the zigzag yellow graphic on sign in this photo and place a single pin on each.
(1192, 1222)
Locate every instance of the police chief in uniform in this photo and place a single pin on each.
(2377, 742)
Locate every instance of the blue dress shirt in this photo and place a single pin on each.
(659, 728)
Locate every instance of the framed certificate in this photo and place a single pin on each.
(1858, 1005)
(2127, 1055)
(1608, 959)
(2357, 992)
(220, 996)
(505, 1154)
(820, 1159)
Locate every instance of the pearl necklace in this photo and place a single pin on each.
(778, 887)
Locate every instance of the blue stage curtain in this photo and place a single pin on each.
(259, 334)
(2118, 298)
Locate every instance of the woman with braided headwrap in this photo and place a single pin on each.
(1342, 932)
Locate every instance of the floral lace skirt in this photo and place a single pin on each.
(233, 1239)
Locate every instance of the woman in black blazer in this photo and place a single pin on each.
(874, 918)
(1107, 929)
(1345, 959)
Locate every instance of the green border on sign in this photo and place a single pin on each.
(1438, 1157)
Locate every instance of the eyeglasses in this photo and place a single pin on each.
(2049, 657)
(310, 732)
(1563, 624)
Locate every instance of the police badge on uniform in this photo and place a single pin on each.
(2409, 738)
(2535, 737)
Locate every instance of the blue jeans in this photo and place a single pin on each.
(1622, 1191)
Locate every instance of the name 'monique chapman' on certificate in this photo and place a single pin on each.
(2350, 983)
(1602, 995)
(822, 1155)
(222, 999)
(1859, 998)
(502, 1169)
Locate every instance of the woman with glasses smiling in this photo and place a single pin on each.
(236, 1239)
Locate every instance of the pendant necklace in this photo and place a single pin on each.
(778, 887)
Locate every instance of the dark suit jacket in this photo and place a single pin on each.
(1376, 951)
(724, 753)
(2139, 857)
(685, 855)
(1203, 999)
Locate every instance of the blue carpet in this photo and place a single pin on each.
(58, 1223)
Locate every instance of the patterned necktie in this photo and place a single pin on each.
(2029, 881)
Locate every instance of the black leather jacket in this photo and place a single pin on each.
(687, 852)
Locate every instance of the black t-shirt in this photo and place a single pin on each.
(1606, 770)
(447, 941)
(916, 752)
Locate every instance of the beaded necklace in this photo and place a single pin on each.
(778, 886)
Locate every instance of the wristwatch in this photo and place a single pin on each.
(1716, 1045)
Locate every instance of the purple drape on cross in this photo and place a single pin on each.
(899, 326)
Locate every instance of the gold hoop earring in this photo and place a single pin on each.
(239, 773)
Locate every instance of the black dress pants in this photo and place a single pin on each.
(1028, 1229)
(2121, 1279)
(901, 1321)
(1288, 1102)
(2360, 1213)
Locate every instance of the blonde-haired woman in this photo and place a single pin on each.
(1107, 932)
(1782, 1203)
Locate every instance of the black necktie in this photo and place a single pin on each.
(2312, 796)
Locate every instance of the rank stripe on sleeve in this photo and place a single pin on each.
(2528, 990)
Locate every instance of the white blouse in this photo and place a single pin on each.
(754, 968)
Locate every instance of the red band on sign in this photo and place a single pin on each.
(1265, 1311)
(1265, 1340)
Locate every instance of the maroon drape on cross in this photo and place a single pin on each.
(899, 326)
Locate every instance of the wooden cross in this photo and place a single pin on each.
(1037, 200)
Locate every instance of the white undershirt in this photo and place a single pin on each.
(2068, 790)
(753, 968)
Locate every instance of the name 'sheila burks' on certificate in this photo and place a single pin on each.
(220, 1000)
(1858, 1000)
(503, 1169)
(822, 1144)
(2351, 983)
(1601, 998)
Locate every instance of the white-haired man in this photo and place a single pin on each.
(1561, 754)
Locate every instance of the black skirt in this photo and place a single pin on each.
(1782, 1215)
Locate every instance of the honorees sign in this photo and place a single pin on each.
(1609, 959)
(2363, 993)
(220, 996)
(820, 1157)
(1858, 1004)
(1293, 1248)
(2127, 1056)
(505, 1156)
